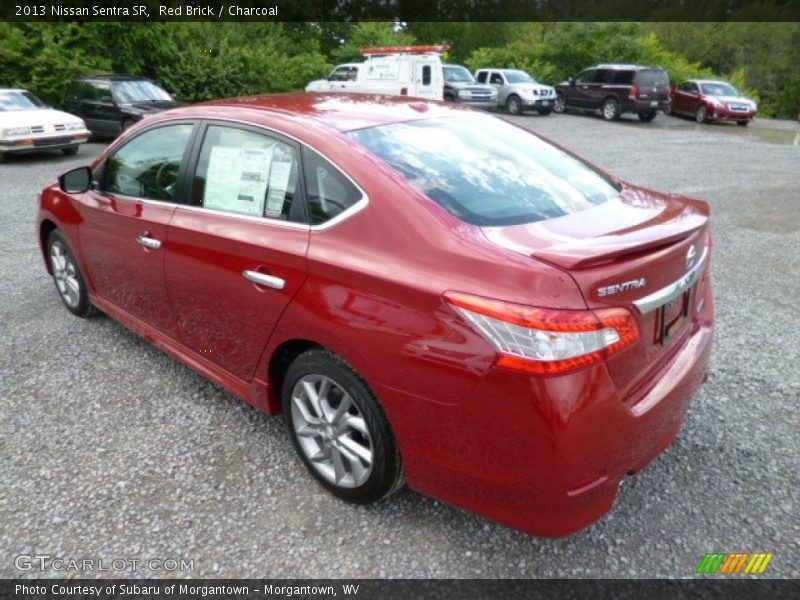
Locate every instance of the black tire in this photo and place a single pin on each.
(668, 108)
(560, 105)
(514, 105)
(544, 111)
(610, 109)
(742, 123)
(647, 117)
(70, 150)
(76, 302)
(386, 475)
(701, 114)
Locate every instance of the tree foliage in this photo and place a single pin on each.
(200, 61)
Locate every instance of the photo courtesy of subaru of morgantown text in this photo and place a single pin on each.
(382, 271)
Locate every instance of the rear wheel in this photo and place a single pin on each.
(648, 116)
(611, 109)
(67, 276)
(700, 115)
(560, 105)
(339, 430)
(514, 105)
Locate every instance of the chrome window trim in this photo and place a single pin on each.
(668, 293)
(345, 214)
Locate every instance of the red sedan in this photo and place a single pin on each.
(427, 293)
(708, 101)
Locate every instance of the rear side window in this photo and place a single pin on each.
(652, 78)
(426, 75)
(329, 192)
(621, 78)
(486, 171)
(601, 75)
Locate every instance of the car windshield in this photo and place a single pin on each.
(652, 78)
(518, 77)
(458, 75)
(128, 92)
(719, 89)
(486, 171)
(18, 100)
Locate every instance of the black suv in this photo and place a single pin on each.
(615, 89)
(460, 86)
(109, 104)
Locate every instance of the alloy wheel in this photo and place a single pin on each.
(331, 431)
(560, 104)
(700, 115)
(609, 110)
(65, 274)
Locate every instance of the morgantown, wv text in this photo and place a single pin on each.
(195, 591)
(222, 11)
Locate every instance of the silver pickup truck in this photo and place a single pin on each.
(517, 91)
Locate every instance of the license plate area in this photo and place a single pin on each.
(672, 317)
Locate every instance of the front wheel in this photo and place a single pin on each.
(611, 110)
(648, 116)
(700, 115)
(514, 105)
(339, 429)
(560, 105)
(67, 276)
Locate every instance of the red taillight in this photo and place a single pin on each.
(634, 92)
(546, 341)
(404, 91)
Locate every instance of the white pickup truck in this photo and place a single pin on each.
(414, 71)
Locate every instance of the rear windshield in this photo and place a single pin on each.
(652, 77)
(485, 171)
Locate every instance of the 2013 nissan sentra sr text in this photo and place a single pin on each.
(427, 293)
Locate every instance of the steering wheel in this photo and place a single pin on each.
(166, 178)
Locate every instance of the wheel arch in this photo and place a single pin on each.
(46, 227)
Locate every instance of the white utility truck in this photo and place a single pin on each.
(414, 71)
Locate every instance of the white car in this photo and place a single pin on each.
(517, 91)
(27, 124)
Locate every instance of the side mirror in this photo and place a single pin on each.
(571, 80)
(76, 181)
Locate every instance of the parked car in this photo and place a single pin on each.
(707, 100)
(110, 104)
(393, 70)
(517, 91)
(460, 86)
(614, 89)
(426, 292)
(28, 125)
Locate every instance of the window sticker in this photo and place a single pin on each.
(279, 173)
(236, 180)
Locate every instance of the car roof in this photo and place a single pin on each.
(112, 77)
(13, 90)
(341, 111)
(623, 66)
(709, 81)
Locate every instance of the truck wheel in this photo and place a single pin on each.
(610, 109)
(560, 105)
(514, 105)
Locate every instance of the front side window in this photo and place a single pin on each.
(482, 77)
(148, 165)
(485, 171)
(329, 192)
(339, 74)
(247, 173)
(496, 79)
(128, 92)
(586, 76)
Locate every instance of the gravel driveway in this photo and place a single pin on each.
(110, 449)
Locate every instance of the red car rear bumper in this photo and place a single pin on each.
(547, 455)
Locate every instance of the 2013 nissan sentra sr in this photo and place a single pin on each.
(427, 293)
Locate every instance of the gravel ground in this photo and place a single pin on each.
(111, 449)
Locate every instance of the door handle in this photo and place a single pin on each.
(148, 242)
(269, 281)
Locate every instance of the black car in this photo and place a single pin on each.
(109, 104)
(460, 86)
(614, 89)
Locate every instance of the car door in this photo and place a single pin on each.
(580, 92)
(690, 97)
(124, 222)
(337, 81)
(497, 80)
(102, 110)
(236, 252)
(424, 81)
(596, 91)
